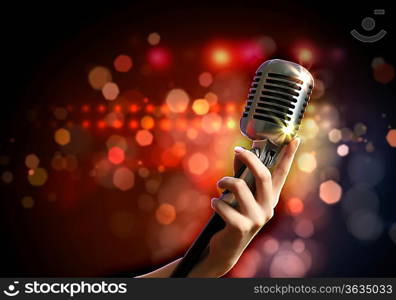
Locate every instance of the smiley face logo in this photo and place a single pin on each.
(12, 291)
(368, 24)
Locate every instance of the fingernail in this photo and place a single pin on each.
(212, 202)
(239, 149)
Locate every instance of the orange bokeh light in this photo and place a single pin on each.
(177, 100)
(165, 124)
(165, 214)
(200, 106)
(181, 124)
(221, 57)
(144, 137)
(215, 108)
(295, 206)
(117, 124)
(391, 137)
(211, 123)
(230, 108)
(330, 192)
(305, 55)
(62, 136)
(198, 163)
(147, 122)
(306, 162)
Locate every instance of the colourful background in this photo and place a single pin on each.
(118, 120)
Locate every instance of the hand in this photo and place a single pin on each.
(253, 212)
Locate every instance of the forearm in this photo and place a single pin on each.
(163, 272)
(203, 269)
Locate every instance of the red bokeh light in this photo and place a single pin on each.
(117, 108)
(85, 108)
(101, 124)
(215, 108)
(86, 124)
(134, 108)
(150, 108)
(251, 52)
(159, 58)
(117, 124)
(133, 124)
(101, 108)
(116, 155)
(123, 63)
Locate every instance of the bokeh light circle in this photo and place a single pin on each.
(286, 263)
(144, 137)
(123, 178)
(98, 77)
(110, 91)
(205, 79)
(123, 63)
(307, 162)
(198, 163)
(165, 214)
(37, 177)
(177, 100)
(391, 137)
(32, 161)
(116, 155)
(200, 106)
(62, 136)
(330, 192)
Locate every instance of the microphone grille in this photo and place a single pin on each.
(278, 95)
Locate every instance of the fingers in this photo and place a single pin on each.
(261, 174)
(242, 193)
(282, 170)
(229, 214)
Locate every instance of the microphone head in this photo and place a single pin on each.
(276, 101)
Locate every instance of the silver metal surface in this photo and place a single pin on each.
(277, 100)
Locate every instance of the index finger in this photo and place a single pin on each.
(280, 173)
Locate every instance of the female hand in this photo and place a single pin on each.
(253, 211)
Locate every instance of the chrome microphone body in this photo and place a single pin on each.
(274, 109)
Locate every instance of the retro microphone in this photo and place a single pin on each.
(275, 107)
